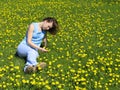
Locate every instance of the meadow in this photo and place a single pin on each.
(84, 55)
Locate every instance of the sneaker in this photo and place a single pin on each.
(30, 69)
(41, 65)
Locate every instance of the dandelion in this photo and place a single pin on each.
(46, 82)
(83, 55)
(59, 65)
(34, 75)
(83, 79)
(10, 57)
(106, 88)
(12, 69)
(4, 86)
(33, 82)
(17, 67)
(59, 86)
(67, 54)
(102, 68)
(53, 83)
(72, 70)
(57, 82)
(1, 54)
(11, 78)
(18, 76)
(83, 83)
(1, 75)
(24, 81)
(48, 87)
(77, 88)
(95, 72)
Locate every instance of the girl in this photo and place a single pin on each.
(30, 45)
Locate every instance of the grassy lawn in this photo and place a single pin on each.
(84, 55)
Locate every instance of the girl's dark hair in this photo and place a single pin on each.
(54, 29)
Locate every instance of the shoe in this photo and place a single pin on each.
(41, 65)
(30, 69)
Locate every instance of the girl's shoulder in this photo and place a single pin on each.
(35, 23)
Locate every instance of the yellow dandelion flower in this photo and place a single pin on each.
(53, 83)
(48, 87)
(59, 86)
(24, 81)
(57, 82)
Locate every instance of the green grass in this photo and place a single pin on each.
(84, 55)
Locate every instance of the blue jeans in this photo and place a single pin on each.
(31, 54)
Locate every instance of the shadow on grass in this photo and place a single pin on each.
(16, 55)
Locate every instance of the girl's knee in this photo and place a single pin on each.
(33, 53)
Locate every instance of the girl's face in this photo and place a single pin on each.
(47, 25)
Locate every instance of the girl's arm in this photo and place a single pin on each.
(29, 39)
(45, 40)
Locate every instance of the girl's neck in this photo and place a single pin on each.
(40, 24)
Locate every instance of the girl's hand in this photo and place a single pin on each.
(43, 50)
